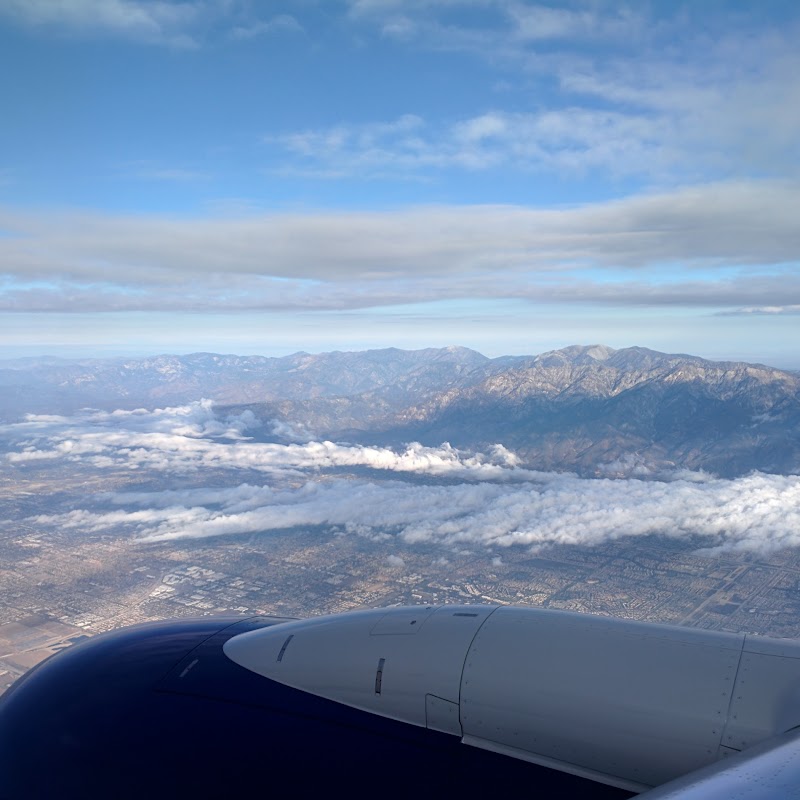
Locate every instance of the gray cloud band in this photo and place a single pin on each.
(743, 235)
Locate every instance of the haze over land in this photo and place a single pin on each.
(315, 483)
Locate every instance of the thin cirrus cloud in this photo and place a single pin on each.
(253, 293)
(691, 131)
(454, 500)
(504, 22)
(151, 22)
(540, 23)
(557, 140)
(146, 171)
(686, 96)
(764, 311)
(281, 22)
(183, 25)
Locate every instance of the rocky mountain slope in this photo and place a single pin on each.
(603, 412)
(54, 385)
(594, 410)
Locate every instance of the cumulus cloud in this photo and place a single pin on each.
(487, 501)
(192, 438)
(293, 432)
(754, 513)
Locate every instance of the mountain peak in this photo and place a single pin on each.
(576, 354)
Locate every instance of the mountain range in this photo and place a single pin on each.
(589, 409)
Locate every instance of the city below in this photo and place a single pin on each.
(61, 585)
(629, 483)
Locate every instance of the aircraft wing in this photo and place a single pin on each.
(769, 771)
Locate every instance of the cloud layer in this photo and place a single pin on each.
(725, 246)
(191, 438)
(446, 498)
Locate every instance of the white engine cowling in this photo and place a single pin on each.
(627, 703)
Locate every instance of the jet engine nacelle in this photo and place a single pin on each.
(629, 704)
(466, 700)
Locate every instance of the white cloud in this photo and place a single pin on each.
(571, 140)
(485, 501)
(508, 20)
(664, 94)
(540, 22)
(755, 513)
(371, 149)
(293, 432)
(191, 438)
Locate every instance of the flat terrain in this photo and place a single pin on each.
(59, 584)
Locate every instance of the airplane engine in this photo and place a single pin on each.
(158, 710)
(454, 699)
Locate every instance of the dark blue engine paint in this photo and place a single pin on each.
(158, 710)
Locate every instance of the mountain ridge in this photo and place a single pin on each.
(579, 408)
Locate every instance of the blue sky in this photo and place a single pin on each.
(259, 177)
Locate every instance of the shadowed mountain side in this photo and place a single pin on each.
(655, 427)
(631, 410)
(593, 410)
